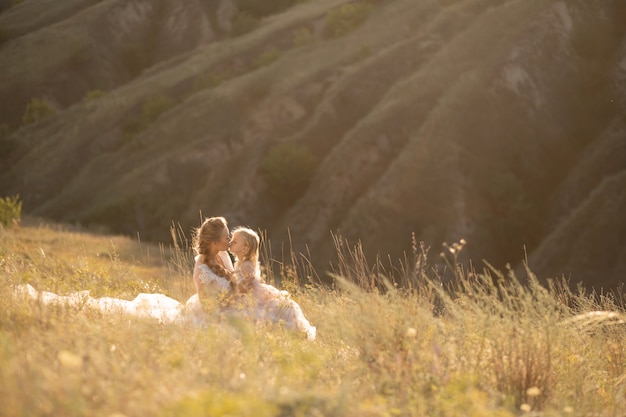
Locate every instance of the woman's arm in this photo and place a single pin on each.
(196, 275)
(226, 262)
(197, 282)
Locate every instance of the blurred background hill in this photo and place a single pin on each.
(502, 122)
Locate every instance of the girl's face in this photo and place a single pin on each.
(238, 246)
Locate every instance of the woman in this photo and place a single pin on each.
(213, 271)
(212, 278)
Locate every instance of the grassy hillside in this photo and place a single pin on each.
(495, 121)
(476, 348)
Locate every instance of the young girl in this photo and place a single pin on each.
(269, 303)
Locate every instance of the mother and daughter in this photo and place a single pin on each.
(238, 288)
(231, 289)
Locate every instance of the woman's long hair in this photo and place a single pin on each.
(210, 231)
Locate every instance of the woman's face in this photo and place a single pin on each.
(222, 243)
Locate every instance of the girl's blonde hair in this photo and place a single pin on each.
(210, 231)
(252, 239)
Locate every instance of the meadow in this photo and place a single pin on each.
(400, 342)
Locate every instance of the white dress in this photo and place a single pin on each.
(157, 306)
(268, 303)
(274, 305)
(195, 312)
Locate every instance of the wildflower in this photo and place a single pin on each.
(411, 333)
(525, 408)
(533, 392)
(69, 359)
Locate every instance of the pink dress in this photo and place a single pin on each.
(276, 306)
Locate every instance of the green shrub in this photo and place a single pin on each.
(268, 56)
(37, 109)
(152, 108)
(242, 23)
(346, 18)
(302, 37)
(211, 80)
(288, 169)
(10, 210)
(93, 94)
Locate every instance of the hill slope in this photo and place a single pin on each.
(498, 121)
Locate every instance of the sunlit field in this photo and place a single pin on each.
(482, 344)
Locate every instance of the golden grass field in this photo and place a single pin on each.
(490, 349)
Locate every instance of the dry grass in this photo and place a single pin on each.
(488, 346)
